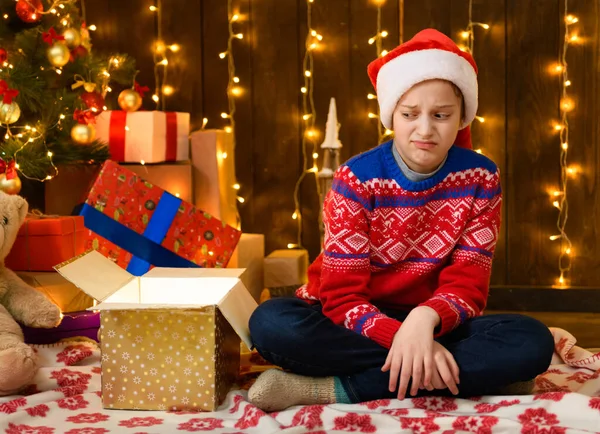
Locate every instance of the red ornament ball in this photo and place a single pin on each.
(3, 55)
(79, 51)
(30, 11)
(93, 100)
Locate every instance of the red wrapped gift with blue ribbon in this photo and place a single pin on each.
(139, 225)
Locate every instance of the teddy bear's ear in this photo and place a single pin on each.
(22, 207)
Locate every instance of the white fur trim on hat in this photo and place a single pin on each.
(400, 74)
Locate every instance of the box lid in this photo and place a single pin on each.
(160, 288)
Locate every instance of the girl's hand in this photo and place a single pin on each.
(411, 353)
(445, 374)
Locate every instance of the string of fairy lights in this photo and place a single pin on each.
(309, 115)
(377, 40)
(233, 91)
(468, 36)
(560, 197)
(160, 55)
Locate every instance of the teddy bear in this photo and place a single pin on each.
(18, 302)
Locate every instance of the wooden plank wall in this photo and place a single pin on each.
(519, 99)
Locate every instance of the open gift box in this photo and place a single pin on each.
(170, 339)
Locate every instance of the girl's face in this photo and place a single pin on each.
(426, 122)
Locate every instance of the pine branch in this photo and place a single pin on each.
(46, 97)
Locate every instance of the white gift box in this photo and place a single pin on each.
(148, 136)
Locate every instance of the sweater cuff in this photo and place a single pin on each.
(383, 331)
(449, 318)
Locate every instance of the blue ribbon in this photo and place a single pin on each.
(145, 248)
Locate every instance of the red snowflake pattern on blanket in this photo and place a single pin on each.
(579, 377)
(354, 422)
(372, 405)
(12, 406)
(72, 390)
(475, 424)
(237, 400)
(73, 354)
(68, 377)
(419, 425)
(88, 418)
(309, 417)
(396, 412)
(26, 429)
(490, 408)
(206, 424)
(141, 421)
(39, 410)
(595, 403)
(88, 430)
(250, 417)
(550, 396)
(73, 403)
(545, 385)
(435, 403)
(535, 421)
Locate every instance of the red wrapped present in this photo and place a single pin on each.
(149, 136)
(139, 225)
(46, 241)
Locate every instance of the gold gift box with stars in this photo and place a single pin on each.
(170, 339)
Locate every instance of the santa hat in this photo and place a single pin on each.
(428, 55)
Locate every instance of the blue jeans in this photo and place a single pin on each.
(491, 351)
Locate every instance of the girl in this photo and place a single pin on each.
(393, 304)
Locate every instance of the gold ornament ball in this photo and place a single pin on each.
(58, 54)
(9, 113)
(83, 134)
(129, 100)
(10, 186)
(72, 38)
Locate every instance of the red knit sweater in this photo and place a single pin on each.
(391, 242)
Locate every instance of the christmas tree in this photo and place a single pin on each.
(52, 85)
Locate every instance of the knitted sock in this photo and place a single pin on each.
(276, 390)
(518, 388)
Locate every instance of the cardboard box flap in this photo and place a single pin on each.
(237, 307)
(95, 275)
(174, 287)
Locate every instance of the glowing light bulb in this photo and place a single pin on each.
(371, 41)
(224, 115)
(155, 98)
(174, 48)
(480, 119)
(228, 129)
(223, 155)
(384, 34)
(464, 35)
(556, 204)
(371, 96)
(307, 73)
(241, 199)
(554, 237)
(236, 186)
(153, 8)
(93, 28)
(236, 79)
(306, 117)
(295, 215)
(315, 155)
(222, 55)
(168, 90)
(303, 89)
(568, 83)
(372, 116)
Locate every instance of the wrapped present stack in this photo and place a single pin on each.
(43, 242)
(285, 272)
